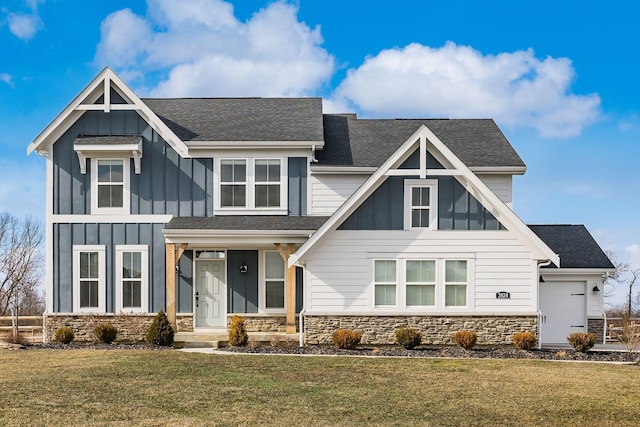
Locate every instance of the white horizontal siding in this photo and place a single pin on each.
(339, 271)
(328, 192)
(501, 185)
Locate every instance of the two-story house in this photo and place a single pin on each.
(300, 222)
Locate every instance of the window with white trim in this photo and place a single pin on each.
(385, 283)
(274, 278)
(455, 283)
(110, 186)
(89, 278)
(420, 276)
(132, 284)
(251, 185)
(421, 204)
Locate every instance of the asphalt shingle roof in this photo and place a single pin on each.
(247, 222)
(350, 141)
(241, 119)
(107, 140)
(575, 245)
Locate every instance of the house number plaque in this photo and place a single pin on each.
(503, 295)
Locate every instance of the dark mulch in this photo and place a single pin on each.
(497, 352)
(95, 346)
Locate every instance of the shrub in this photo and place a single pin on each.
(408, 338)
(525, 340)
(17, 339)
(106, 333)
(465, 339)
(160, 331)
(581, 342)
(237, 333)
(64, 335)
(346, 339)
(630, 335)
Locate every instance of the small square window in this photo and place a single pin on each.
(421, 210)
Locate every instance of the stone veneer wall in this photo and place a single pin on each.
(435, 329)
(261, 323)
(184, 322)
(596, 327)
(131, 327)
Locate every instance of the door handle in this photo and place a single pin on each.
(197, 299)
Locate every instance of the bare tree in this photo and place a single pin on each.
(21, 263)
(623, 276)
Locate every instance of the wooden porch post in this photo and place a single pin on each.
(171, 283)
(290, 327)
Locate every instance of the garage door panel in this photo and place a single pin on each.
(563, 308)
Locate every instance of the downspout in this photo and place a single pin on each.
(540, 264)
(304, 308)
(604, 331)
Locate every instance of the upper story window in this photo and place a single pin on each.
(251, 186)
(421, 204)
(110, 186)
(88, 278)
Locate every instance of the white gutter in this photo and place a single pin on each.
(540, 264)
(604, 330)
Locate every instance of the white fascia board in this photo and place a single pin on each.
(343, 170)
(224, 237)
(364, 191)
(251, 145)
(574, 271)
(498, 170)
(87, 97)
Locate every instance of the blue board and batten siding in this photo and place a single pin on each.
(457, 209)
(167, 184)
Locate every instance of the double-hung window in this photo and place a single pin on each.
(273, 281)
(421, 210)
(132, 268)
(385, 280)
(455, 283)
(251, 185)
(89, 278)
(420, 283)
(110, 186)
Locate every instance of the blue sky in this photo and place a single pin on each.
(559, 78)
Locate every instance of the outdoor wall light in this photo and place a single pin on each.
(243, 269)
(596, 289)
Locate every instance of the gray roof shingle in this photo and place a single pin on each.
(107, 140)
(241, 119)
(247, 222)
(350, 141)
(575, 245)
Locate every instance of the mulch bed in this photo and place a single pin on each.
(497, 352)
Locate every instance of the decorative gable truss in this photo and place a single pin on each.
(107, 92)
(424, 140)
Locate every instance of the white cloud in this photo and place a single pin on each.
(26, 25)
(455, 81)
(199, 48)
(6, 78)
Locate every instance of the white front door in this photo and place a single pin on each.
(563, 306)
(210, 294)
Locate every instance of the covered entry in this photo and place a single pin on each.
(563, 306)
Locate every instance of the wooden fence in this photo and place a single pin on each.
(29, 326)
(614, 327)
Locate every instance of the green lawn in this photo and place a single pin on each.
(97, 387)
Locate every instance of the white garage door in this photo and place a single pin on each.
(564, 310)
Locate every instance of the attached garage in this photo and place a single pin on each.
(563, 308)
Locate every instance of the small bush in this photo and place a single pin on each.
(408, 338)
(465, 339)
(64, 335)
(106, 333)
(581, 342)
(525, 340)
(237, 333)
(346, 339)
(17, 339)
(160, 331)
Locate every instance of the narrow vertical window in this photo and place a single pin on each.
(385, 282)
(421, 283)
(132, 278)
(274, 280)
(89, 280)
(233, 183)
(455, 283)
(267, 183)
(110, 183)
(420, 207)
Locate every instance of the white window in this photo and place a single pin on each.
(421, 283)
(110, 186)
(274, 278)
(455, 283)
(251, 186)
(421, 204)
(132, 284)
(385, 283)
(89, 279)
